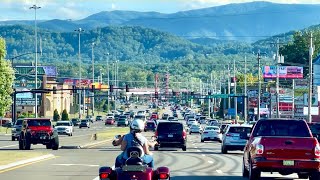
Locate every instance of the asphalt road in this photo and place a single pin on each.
(200, 161)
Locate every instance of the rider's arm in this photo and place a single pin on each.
(123, 145)
(118, 141)
(146, 148)
(151, 144)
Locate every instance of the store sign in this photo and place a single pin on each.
(28, 82)
(285, 72)
(27, 102)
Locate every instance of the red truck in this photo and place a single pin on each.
(285, 146)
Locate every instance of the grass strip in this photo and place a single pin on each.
(7, 157)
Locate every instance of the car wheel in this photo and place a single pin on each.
(156, 148)
(49, 146)
(254, 174)
(303, 176)
(190, 133)
(245, 172)
(80, 127)
(224, 150)
(55, 143)
(315, 176)
(13, 138)
(184, 148)
(202, 140)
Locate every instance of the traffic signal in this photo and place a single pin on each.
(127, 88)
(93, 88)
(54, 89)
(111, 88)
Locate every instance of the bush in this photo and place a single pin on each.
(64, 115)
(56, 115)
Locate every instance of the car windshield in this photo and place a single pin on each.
(194, 126)
(19, 122)
(212, 128)
(282, 128)
(35, 122)
(239, 129)
(169, 127)
(63, 124)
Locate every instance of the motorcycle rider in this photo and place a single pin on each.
(127, 140)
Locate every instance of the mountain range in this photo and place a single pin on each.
(243, 22)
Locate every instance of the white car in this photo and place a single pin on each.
(211, 133)
(191, 121)
(64, 127)
(195, 129)
(231, 140)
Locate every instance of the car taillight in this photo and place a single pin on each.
(104, 175)
(163, 176)
(259, 149)
(184, 134)
(316, 148)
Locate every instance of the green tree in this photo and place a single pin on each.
(56, 115)
(64, 115)
(6, 80)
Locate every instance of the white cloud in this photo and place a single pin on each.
(113, 6)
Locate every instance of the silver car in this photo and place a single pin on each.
(231, 140)
(16, 129)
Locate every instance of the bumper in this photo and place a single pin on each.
(16, 134)
(234, 147)
(277, 165)
(178, 144)
(64, 132)
(211, 138)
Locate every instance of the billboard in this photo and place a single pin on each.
(285, 72)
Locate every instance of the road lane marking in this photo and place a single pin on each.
(8, 146)
(219, 171)
(198, 150)
(195, 147)
(211, 162)
(27, 164)
(89, 165)
(203, 155)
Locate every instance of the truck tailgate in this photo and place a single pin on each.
(288, 147)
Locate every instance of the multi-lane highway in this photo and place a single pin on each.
(200, 161)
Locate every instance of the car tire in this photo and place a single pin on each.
(315, 176)
(202, 140)
(79, 127)
(184, 148)
(254, 174)
(55, 143)
(224, 150)
(13, 138)
(156, 148)
(245, 172)
(190, 133)
(48, 146)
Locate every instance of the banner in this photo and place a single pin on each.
(285, 72)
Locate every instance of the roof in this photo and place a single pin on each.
(240, 125)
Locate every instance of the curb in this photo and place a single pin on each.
(18, 163)
(94, 144)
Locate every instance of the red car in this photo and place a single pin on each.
(154, 115)
(110, 121)
(286, 146)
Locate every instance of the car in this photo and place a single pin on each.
(150, 126)
(142, 117)
(175, 114)
(64, 127)
(141, 113)
(116, 117)
(90, 118)
(223, 127)
(122, 122)
(84, 123)
(99, 118)
(171, 118)
(195, 128)
(231, 140)
(170, 134)
(213, 122)
(15, 131)
(211, 133)
(165, 116)
(110, 120)
(38, 131)
(191, 121)
(75, 121)
(285, 146)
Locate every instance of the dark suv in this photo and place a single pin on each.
(171, 134)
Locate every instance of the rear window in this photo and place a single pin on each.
(292, 128)
(239, 130)
(169, 127)
(83, 121)
(39, 123)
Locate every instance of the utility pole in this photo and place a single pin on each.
(108, 92)
(92, 57)
(259, 82)
(245, 91)
(235, 90)
(80, 80)
(229, 100)
(35, 7)
(277, 82)
(310, 79)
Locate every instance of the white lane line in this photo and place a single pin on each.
(198, 150)
(203, 155)
(8, 146)
(219, 171)
(195, 147)
(211, 162)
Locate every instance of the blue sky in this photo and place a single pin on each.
(78, 9)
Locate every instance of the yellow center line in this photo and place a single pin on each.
(27, 164)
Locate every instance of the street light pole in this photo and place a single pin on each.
(80, 80)
(310, 79)
(245, 90)
(92, 56)
(259, 82)
(35, 7)
(235, 91)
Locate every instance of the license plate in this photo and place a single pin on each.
(288, 163)
(170, 135)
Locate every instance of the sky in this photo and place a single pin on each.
(78, 9)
